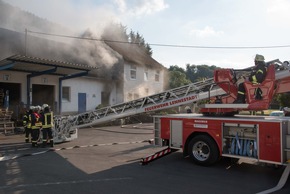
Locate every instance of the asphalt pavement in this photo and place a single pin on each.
(107, 160)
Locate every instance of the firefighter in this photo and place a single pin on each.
(47, 124)
(188, 109)
(286, 111)
(27, 124)
(35, 126)
(257, 75)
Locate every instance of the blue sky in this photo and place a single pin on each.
(213, 23)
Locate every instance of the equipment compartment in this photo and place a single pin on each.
(240, 139)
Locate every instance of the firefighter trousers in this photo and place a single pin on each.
(47, 137)
(35, 136)
(27, 134)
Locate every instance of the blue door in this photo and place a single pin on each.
(82, 102)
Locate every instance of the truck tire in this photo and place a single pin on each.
(203, 150)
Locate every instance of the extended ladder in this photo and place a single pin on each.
(64, 126)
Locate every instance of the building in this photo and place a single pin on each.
(72, 77)
(143, 75)
(33, 81)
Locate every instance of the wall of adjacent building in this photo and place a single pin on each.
(92, 87)
(139, 87)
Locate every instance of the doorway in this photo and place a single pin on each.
(82, 102)
(43, 94)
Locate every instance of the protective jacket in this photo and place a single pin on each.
(258, 74)
(47, 120)
(35, 121)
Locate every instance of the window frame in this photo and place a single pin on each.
(157, 76)
(146, 74)
(64, 97)
(133, 72)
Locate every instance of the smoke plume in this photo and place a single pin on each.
(14, 21)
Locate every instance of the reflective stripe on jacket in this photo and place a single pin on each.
(47, 121)
(35, 121)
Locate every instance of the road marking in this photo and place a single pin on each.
(11, 157)
(65, 182)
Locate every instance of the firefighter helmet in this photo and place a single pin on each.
(31, 107)
(286, 109)
(44, 106)
(259, 57)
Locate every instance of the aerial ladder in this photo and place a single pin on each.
(65, 126)
(219, 91)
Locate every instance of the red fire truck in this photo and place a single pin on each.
(205, 139)
(220, 132)
(208, 136)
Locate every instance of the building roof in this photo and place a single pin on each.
(36, 65)
(133, 53)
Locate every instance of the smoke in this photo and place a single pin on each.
(100, 25)
(13, 18)
(95, 50)
(90, 52)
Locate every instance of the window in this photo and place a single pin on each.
(157, 74)
(146, 74)
(66, 94)
(133, 72)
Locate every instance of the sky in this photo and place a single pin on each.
(230, 33)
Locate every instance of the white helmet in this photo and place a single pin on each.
(286, 109)
(31, 107)
(44, 106)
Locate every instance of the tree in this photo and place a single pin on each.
(283, 99)
(136, 38)
(118, 32)
(176, 68)
(115, 32)
(199, 72)
(177, 77)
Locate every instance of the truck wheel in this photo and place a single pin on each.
(203, 150)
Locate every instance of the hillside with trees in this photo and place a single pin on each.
(179, 76)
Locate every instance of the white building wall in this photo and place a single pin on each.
(91, 86)
(140, 87)
(93, 89)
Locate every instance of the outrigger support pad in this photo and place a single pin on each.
(157, 155)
